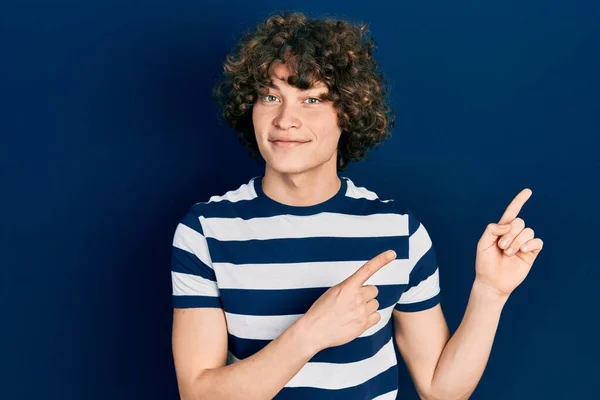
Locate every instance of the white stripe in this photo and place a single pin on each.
(387, 396)
(419, 243)
(333, 376)
(359, 192)
(339, 376)
(305, 275)
(259, 327)
(187, 239)
(244, 192)
(423, 291)
(295, 226)
(386, 314)
(269, 327)
(192, 285)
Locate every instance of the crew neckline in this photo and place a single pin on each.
(328, 205)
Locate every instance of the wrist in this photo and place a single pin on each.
(488, 293)
(304, 337)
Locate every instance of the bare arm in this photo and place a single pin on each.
(200, 353)
(450, 368)
(443, 367)
(341, 314)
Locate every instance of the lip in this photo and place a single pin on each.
(287, 143)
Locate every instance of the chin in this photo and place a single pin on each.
(295, 163)
(288, 165)
(288, 168)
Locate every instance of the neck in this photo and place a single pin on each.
(302, 189)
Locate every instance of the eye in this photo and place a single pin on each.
(317, 101)
(269, 98)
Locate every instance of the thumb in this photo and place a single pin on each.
(491, 234)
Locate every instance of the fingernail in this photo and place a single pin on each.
(391, 255)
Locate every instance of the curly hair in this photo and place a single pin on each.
(335, 52)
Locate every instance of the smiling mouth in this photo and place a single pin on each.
(287, 143)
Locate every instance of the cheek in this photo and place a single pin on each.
(258, 121)
(255, 116)
(326, 124)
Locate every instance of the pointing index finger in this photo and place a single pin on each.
(513, 209)
(371, 267)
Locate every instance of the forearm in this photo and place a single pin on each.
(466, 354)
(273, 367)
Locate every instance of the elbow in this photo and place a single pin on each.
(189, 392)
(192, 389)
(436, 390)
(449, 397)
(442, 396)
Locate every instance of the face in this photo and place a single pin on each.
(295, 130)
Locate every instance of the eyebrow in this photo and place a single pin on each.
(273, 85)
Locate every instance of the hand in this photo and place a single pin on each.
(347, 309)
(507, 250)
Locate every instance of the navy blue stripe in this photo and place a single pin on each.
(413, 222)
(423, 269)
(317, 249)
(290, 301)
(358, 349)
(383, 383)
(258, 208)
(191, 221)
(187, 263)
(420, 306)
(195, 301)
(427, 264)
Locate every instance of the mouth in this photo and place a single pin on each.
(288, 143)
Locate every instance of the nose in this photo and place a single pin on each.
(287, 117)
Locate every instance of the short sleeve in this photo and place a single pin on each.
(193, 279)
(423, 289)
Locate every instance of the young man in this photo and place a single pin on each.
(294, 285)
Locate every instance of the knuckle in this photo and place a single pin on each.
(366, 267)
(358, 302)
(363, 315)
(519, 222)
(370, 269)
(338, 289)
(376, 318)
(505, 240)
(364, 324)
(371, 290)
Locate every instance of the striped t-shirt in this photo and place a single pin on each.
(265, 263)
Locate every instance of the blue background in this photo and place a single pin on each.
(109, 134)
